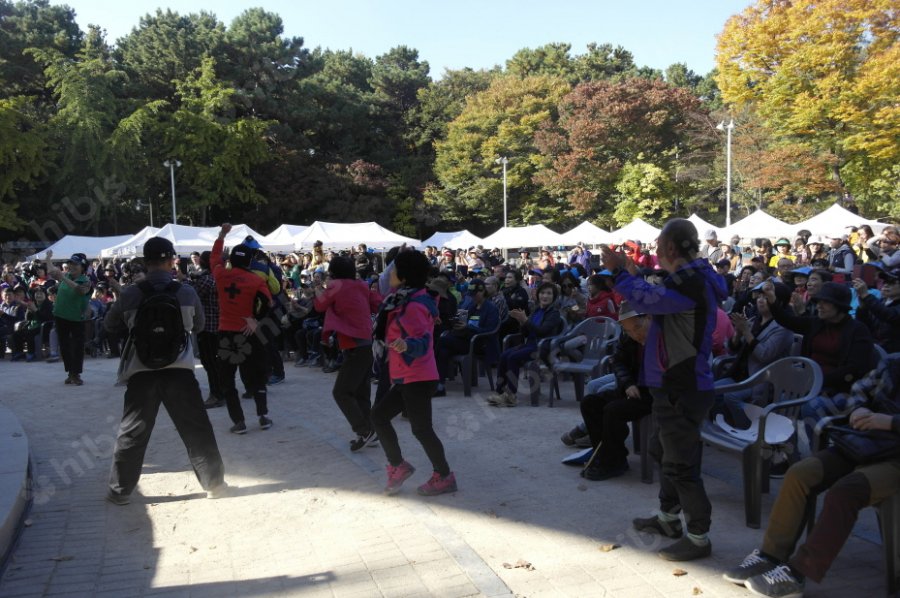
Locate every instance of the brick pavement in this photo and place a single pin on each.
(308, 517)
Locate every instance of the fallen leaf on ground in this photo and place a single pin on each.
(193, 549)
(609, 547)
(697, 591)
(679, 572)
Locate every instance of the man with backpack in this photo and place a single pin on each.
(157, 366)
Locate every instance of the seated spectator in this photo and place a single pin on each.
(12, 312)
(492, 286)
(39, 321)
(756, 343)
(602, 299)
(803, 304)
(840, 345)
(482, 316)
(723, 268)
(841, 258)
(779, 568)
(439, 289)
(606, 414)
(796, 279)
(882, 317)
(572, 302)
(722, 332)
(543, 323)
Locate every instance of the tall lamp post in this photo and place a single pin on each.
(728, 128)
(504, 161)
(172, 165)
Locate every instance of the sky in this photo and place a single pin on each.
(453, 34)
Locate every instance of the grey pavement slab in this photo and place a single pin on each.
(307, 517)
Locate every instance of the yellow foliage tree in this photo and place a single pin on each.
(821, 72)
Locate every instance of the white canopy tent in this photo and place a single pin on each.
(835, 220)
(131, 245)
(524, 236)
(760, 225)
(89, 246)
(703, 226)
(283, 235)
(586, 232)
(343, 236)
(461, 239)
(636, 230)
(187, 239)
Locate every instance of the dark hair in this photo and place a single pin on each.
(342, 267)
(204, 259)
(683, 234)
(548, 285)
(825, 275)
(569, 277)
(391, 255)
(597, 281)
(517, 274)
(554, 275)
(412, 268)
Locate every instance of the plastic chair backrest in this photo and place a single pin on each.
(792, 378)
(600, 332)
(880, 354)
(797, 345)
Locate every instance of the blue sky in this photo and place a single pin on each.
(459, 33)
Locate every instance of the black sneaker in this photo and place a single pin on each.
(753, 564)
(440, 391)
(686, 549)
(212, 402)
(362, 441)
(247, 395)
(780, 582)
(654, 525)
(599, 473)
(570, 437)
(238, 428)
(264, 422)
(118, 499)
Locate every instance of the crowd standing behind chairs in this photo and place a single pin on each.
(402, 319)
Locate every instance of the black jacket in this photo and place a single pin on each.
(882, 320)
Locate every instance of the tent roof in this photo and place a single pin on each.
(341, 236)
(703, 226)
(132, 245)
(760, 224)
(461, 239)
(189, 238)
(835, 220)
(587, 232)
(89, 246)
(637, 230)
(523, 236)
(283, 235)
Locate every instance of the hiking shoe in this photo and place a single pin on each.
(273, 380)
(654, 525)
(438, 484)
(118, 499)
(264, 422)
(68, 380)
(238, 428)
(302, 362)
(212, 402)
(780, 582)
(76, 380)
(753, 564)
(686, 549)
(220, 491)
(598, 473)
(509, 400)
(362, 440)
(583, 441)
(572, 435)
(396, 476)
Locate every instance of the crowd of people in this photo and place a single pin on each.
(399, 319)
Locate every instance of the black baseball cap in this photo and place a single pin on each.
(79, 258)
(158, 248)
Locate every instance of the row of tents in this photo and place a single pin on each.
(288, 237)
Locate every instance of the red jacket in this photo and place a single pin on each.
(414, 323)
(347, 310)
(600, 305)
(237, 289)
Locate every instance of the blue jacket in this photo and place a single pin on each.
(676, 356)
(482, 320)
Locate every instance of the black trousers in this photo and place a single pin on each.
(415, 399)
(71, 344)
(352, 390)
(676, 444)
(178, 391)
(246, 353)
(445, 349)
(606, 415)
(208, 345)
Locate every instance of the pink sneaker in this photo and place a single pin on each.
(438, 485)
(396, 476)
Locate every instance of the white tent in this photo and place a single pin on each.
(636, 230)
(524, 236)
(461, 239)
(283, 235)
(132, 245)
(586, 232)
(760, 225)
(89, 246)
(192, 238)
(703, 226)
(344, 236)
(835, 220)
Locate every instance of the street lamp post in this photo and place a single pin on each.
(504, 161)
(171, 165)
(728, 128)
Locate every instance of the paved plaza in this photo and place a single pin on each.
(307, 516)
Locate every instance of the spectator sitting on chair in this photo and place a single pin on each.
(492, 287)
(882, 317)
(606, 415)
(779, 568)
(38, 312)
(544, 322)
(11, 313)
(572, 303)
(804, 303)
(756, 343)
(482, 317)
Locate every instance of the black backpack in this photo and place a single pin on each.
(158, 333)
